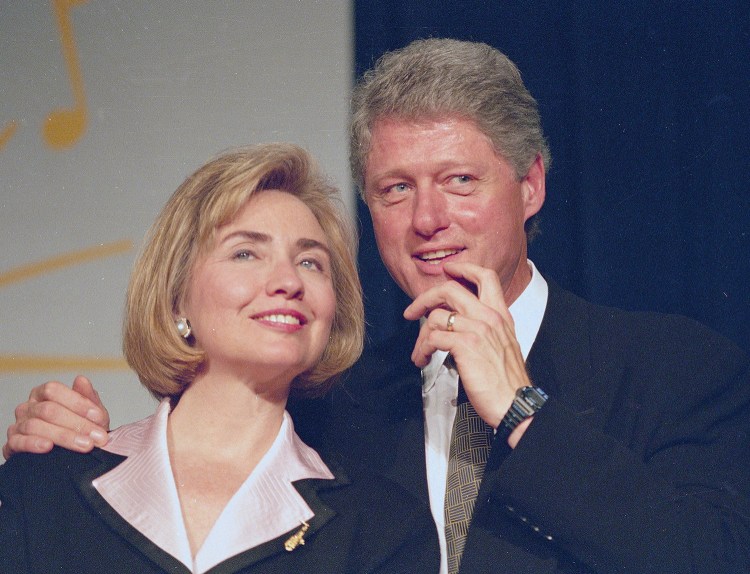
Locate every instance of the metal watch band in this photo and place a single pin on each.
(527, 402)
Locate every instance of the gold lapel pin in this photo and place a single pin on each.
(296, 539)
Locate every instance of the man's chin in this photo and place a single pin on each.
(416, 288)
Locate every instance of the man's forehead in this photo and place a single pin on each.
(448, 129)
(447, 123)
(422, 120)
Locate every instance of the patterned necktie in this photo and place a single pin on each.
(469, 449)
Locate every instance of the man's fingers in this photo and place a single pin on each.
(424, 347)
(22, 443)
(51, 420)
(489, 288)
(486, 280)
(37, 429)
(29, 436)
(84, 387)
(70, 400)
(70, 418)
(450, 295)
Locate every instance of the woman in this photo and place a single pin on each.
(246, 291)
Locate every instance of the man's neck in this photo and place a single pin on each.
(518, 282)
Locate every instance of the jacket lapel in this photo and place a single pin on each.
(308, 489)
(377, 423)
(563, 361)
(83, 482)
(296, 537)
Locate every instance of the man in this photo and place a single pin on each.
(619, 442)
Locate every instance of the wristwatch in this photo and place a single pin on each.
(527, 402)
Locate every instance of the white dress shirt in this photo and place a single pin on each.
(440, 392)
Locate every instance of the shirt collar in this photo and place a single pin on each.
(142, 490)
(528, 310)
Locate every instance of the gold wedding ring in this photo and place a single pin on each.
(451, 321)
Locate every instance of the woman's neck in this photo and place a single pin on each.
(227, 416)
(217, 434)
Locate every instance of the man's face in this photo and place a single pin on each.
(438, 192)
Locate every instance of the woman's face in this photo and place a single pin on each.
(260, 300)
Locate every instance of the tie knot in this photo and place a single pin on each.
(461, 398)
(450, 363)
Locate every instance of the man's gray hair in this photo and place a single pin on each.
(434, 78)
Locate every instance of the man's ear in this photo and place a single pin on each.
(533, 187)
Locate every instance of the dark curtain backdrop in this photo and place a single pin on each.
(645, 106)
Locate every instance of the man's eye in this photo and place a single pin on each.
(397, 188)
(461, 184)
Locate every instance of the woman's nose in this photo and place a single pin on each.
(285, 280)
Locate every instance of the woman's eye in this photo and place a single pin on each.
(244, 254)
(312, 264)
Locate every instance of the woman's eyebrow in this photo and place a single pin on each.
(254, 236)
(259, 237)
(305, 243)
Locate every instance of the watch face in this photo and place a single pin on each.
(535, 397)
(527, 402)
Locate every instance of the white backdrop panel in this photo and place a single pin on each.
(157, 88)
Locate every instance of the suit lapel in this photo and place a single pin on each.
(308, 489)
(563, 361)
(377, 416)
(296, 537)
(83, 482)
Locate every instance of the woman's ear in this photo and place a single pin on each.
(183, 327)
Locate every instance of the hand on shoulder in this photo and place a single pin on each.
(55, 414)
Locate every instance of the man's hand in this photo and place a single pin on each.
(57, 415)
(482, 338)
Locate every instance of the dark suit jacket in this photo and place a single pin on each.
(53, 520)
(638, 463)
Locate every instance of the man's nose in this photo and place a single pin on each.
(430, 213)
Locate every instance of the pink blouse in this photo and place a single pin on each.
(143, 491)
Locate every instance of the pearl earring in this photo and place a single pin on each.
(183, 327)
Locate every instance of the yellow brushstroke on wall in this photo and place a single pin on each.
(65, 126)
(65, 260)
(7, 133)
(26, 363)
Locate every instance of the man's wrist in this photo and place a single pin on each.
(518, 432)
(527, 402)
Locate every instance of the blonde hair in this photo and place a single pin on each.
(165, 362)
